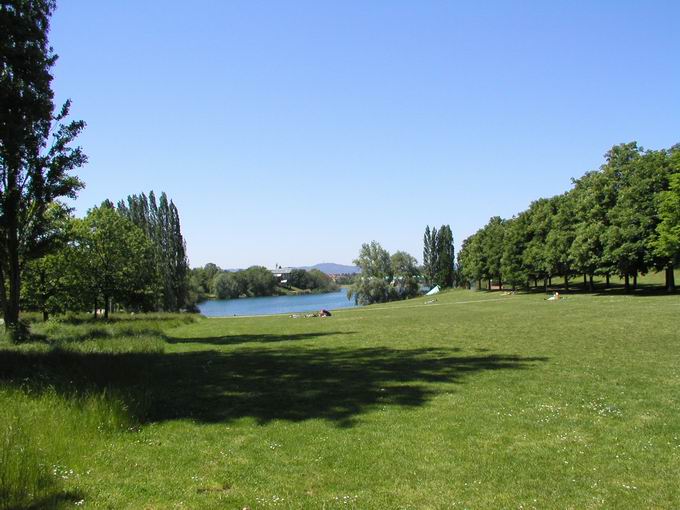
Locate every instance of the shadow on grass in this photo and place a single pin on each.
(54, 501)
(614, 289)
(294, 384)
(243, 339)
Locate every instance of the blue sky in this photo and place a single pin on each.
(291, 132)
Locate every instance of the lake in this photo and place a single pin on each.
(275, 304)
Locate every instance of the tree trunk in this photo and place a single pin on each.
(566, 282)
(627, 282)
(479, 284)
(607, 280)
(545, 284)
(43, 298)
(535, 282)
(95, 308)
(585, 280)
(591, 287)
(11, 241)
(3, 292)
(12, 303)
(500, 282)
(489, 283)
(635, 280)
(550, 280)
(106, 307)
(670, 278)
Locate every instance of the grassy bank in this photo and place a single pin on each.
(478, 400)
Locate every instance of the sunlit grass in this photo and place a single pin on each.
(477, 400)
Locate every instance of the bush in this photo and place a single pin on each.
(367, 291)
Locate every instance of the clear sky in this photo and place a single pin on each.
(291, 132)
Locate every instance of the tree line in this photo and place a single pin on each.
(621, 220)
(130, 257)
(256, 281)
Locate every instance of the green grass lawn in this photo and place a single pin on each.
(476, 401)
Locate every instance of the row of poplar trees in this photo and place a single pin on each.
(160, 222)
(131, 257)
(623, 220)
(438, 256)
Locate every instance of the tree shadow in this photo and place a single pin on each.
(258, 338)
(642, 290)
(614, 289)
(293, 384)
(57, 500)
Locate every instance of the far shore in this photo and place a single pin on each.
(282, 291)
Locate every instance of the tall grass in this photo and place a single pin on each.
(24, 476)
(50, 427)
(45, 437)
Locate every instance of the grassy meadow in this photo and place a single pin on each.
(479, 400)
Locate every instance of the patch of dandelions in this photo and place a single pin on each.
(274, 446)
(603, 408)
(550, 412)
(273, 500)
(63, 472)
(346, 499)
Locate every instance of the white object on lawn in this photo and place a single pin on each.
(433, 291)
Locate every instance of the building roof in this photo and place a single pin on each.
(281, 270)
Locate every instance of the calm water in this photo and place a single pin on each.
(276, 304)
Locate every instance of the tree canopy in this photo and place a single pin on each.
(619, 220)
(383, 277)
(36, 152)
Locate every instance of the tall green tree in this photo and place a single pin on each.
(374, 261)
(515, 240)
(445, 257)
(229, 285)
(115, 262)
(590, 216)
(541, 213)
(430, 254)
(667, 244)
(403, 264)
(36, 155)
(470, 264)
(161, 223)
(405, 271)
(438, 256)
(374, 283)
(491, 244)
(260, 281)
(48, 283)
(636, 178)
(561, 236)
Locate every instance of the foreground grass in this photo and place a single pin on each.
(477, 401)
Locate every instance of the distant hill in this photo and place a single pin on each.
(326, 267)
(331, 268)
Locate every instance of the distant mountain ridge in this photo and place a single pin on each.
(332, 268)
